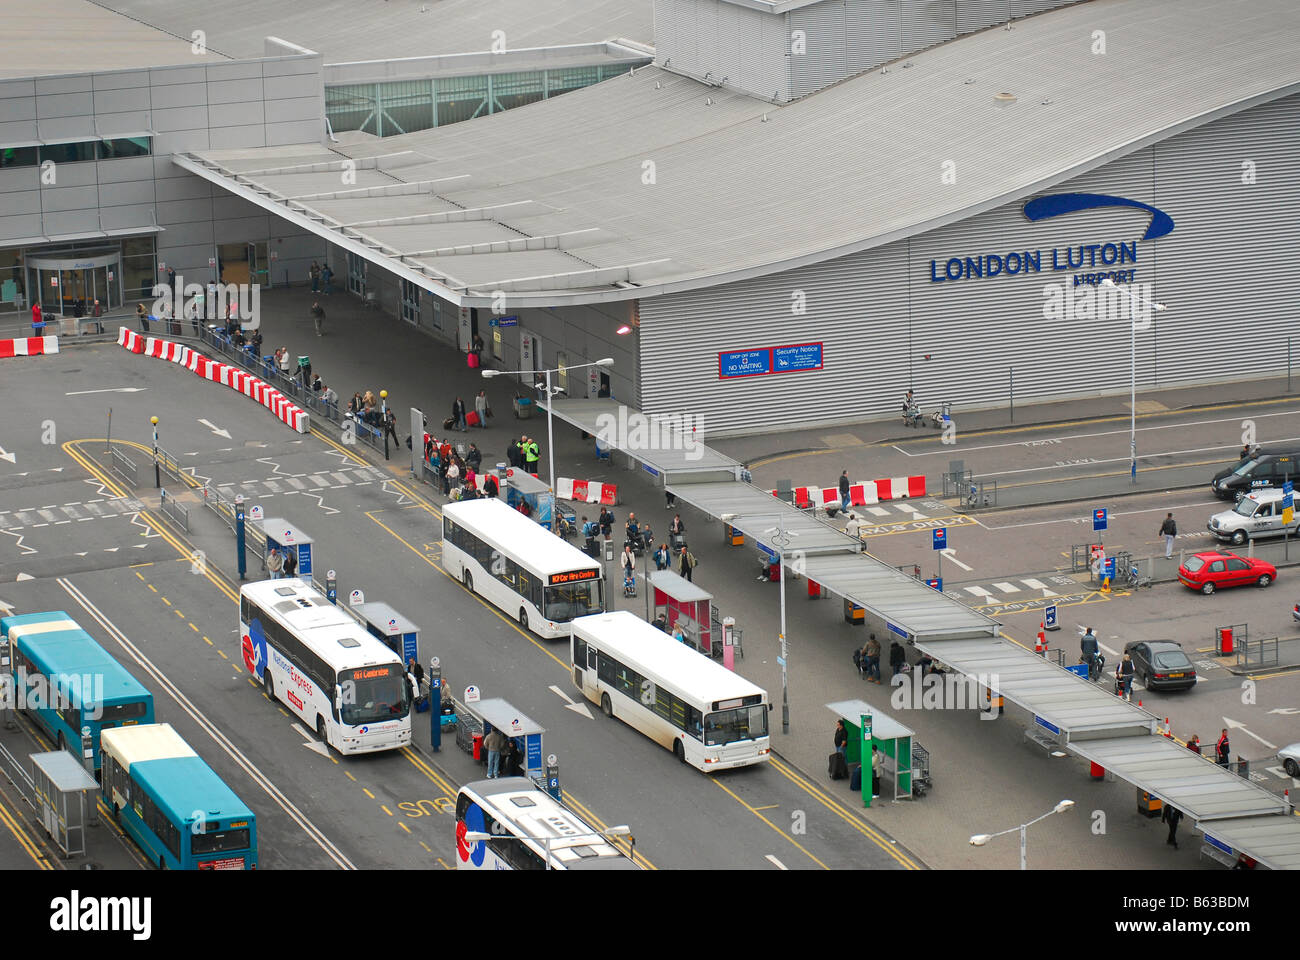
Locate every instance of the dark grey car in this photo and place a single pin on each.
(1161, 665)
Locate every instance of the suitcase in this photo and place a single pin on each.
(839, 768)
(471, 418)
(855, 778)
(472, 360)
(422, 705)
(449, 423)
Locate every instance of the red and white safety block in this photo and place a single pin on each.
(586, 491)
(234, 377)
(29, 346)
(861, 494)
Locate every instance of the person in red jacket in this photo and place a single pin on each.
(1221, 749)
(38, 322)
(1194, 744)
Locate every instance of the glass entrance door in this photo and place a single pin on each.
(65, 284)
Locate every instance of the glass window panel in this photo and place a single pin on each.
(17, 156)
(124, 147)
(69, 152)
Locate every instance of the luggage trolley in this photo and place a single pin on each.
(921, 781)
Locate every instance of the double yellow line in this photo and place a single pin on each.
(15, 825)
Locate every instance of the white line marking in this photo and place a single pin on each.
(1007, 587)
(1034, 584)
(876, 511)
(775, 862)
(949, 553)
(978, 592)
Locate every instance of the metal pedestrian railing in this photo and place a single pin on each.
(174, 511)
(1257, 653)
(125, 468)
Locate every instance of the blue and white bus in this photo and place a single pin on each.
(180, 813)
(66, 681)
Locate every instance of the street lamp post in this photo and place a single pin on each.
(383, 418)
(982, 838)
(1132, 437)
(157, 478)
(478, 836)
(550, 398)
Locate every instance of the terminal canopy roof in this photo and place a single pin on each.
(1273, 841)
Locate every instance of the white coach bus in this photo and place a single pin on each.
(708, 716)
(520, 566)
(343, 683)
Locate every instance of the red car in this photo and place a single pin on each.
(1208, 572)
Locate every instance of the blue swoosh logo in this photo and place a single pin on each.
(1043, 208)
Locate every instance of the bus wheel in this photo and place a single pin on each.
(678, 751)
(468, 579)
(320, 730)
(523, 618)
(606, 705)
(269, 684)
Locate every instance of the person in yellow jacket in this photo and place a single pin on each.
(531, 454)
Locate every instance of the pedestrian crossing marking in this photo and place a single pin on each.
(978, 592)
(1007, 587)
(1034, 584)
(877, 511)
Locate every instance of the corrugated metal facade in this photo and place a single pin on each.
(840, 38)
(887, 326)
(742, 48)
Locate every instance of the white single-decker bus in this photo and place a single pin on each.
(708, 716)
(517, 564)
(343, 683)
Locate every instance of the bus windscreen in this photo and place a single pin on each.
(729, 726)
(564, 603)
(375, 694)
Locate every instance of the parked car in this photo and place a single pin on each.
(1212, 571)
(1263, 468)
(1290, 757)
(1256, 515)
(1161, 665)
(1295, 612)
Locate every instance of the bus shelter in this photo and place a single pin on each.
(523, 487)
(868, 726)
(61, 785)
(496, 714)
(399, 634)
(683, 604)
(280, 533)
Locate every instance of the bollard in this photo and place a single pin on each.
(435, 704)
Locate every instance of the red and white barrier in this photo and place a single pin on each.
(29, 346)
(861, 494)
(586, 491)
(234, 377)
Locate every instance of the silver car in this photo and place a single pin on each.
(1256, 515)
(1290, 757)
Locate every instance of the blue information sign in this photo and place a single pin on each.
(1109, 570)
(801, 356)
(507, 321)
(1049, 616)
(1288, 487)
(744, 363)
(936, 583)
(940, 538)
(1099, 519)
(533, 754)
(304, 560)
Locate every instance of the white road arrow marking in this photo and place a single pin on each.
(1238, 725)
(214, 428)
(79, 393)
(6, 608)
(7, 456)
(24, 576)
(949, 554)
(310, 742)
(1280, 773)
(569, 704)
(775, 862)
(1286, 711)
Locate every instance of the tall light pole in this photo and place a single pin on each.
(982, 838)
(477, 836)
(383, 418)
(550, 398)
(1133, 437)
(157, 479)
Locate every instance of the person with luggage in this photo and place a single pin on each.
(841, 737)
(291, 563)
(871, 659)
(1124, 677)
(495, 742)
(139, 315)
(677, 532)
(458, 414)
(1089, 649)
(1222, 749)
(688, 563)
(1169, 530)
(633, 531)
(417, 673)
(476, 348)
(606, 522)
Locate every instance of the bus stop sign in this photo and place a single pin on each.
(940, 538)
(1099, 519)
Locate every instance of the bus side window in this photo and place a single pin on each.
(525, 582)
(591, 659)
(579, 652)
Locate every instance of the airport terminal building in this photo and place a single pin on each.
(797, 211)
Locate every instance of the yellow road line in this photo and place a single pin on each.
(842, 812)
(429, 849)
(427, 769)
(367, 793)
(25, 841)
(403, 826)
(166, 601)
(385, 809)
(754, 810)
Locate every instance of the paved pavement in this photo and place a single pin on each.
(986, 777)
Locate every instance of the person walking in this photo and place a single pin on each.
(139, 315)
(1125, 675)
(314, 274)
(1222, 749)
(291, 563)
(1171, 816)
(854, 527)
(458, 414)
(476, 348)
(1169, 530)
(871, 659)
(390, 427)
(841, 737)
(663, 559)
(482, 409)
(672, 500)
(97, 311)
(495, 743)
(844, 490)
(318, 317)
(327, 276)
(688, 563)
(275, 563)
(897, 657)
(628, 560)
(1088, 649)
(1194, 745)
(875, 772)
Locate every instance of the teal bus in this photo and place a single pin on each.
(176, 809)
(66, 681)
